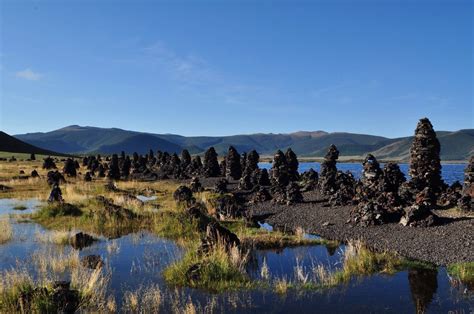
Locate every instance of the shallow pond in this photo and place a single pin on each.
(449, 172)
(137, 260)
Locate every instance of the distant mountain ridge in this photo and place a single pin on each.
(456, 145)
(11, 144)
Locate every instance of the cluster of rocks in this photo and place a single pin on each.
(283, 178)
(384, 196)
(380, 196)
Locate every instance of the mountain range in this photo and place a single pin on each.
(74, 139)
(13, 145)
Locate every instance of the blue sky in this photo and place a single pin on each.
(231, 67)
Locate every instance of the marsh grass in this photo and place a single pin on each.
(54, 236)
(36, 277)
(260, 238)
(6, 231)
(357, 261)
(143, 300)
(219, 270)
(463, 271)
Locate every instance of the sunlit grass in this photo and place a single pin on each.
(463, 271)
(6, 231)
(54, 236)
(219, 270)
(36, 278)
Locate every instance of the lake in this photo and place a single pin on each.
(449, 172)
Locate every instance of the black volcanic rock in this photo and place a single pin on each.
(279, 172)
(114, 170)
(48, 163)
(211, 165)
(69, 168)
(292, 165)
(232, 164)
(425, 165)
(328, 173)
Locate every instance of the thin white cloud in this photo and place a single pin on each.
(188, 68)
(29, 74)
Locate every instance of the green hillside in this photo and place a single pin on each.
(12, 146)
(458, 145)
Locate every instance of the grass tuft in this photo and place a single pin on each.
(6, 233)
(463, 271)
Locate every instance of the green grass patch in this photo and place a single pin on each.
(217, 271)
(261, 238)
(463, 271)
(51, 210)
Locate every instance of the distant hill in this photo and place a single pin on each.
(13, 145)
(458, 145)
(141, 143)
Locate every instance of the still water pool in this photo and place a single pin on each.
(138, 260)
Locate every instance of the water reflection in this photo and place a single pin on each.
(139, 258)
(423, 286)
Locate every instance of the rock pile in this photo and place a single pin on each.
(114, 169)
(279, 170)
(466, 202)
(55, 178)
(425, 165)
(69, 168)
(196, 185)
(233, 167)
(309, 180)
(218, 235)
(226, 206)
(328, 173)
(221, 186)
(48, 163)
(292, 165)
(56, 195)
(211, 165)
(184, 195)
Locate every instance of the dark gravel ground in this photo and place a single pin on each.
(451, 242)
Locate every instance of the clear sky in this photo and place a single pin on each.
(231, 67)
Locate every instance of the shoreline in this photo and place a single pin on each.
(441, 245)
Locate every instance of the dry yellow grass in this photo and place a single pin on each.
(54, 236)
(6, 230)
(143, 300)
(51, 262)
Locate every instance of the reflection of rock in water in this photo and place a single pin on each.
(423, 286)
(331, 249)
